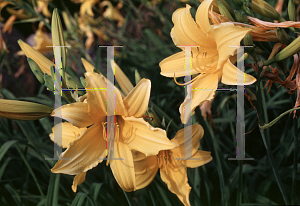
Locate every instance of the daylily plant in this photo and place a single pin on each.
(213, 57)
(173, 163)
(131, 131)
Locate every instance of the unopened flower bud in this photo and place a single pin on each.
(223, 10)
(283, 36)
(244, 18)
(23, 110)
(264, 9)
(288, 51)
(291, 11)
(238, 16)
(58, 38)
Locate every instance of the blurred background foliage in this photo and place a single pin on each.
(143, 29)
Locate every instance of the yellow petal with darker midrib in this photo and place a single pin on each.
(188, 138)
(123, 168)
(69, 133)
(138, 98)
(177, 182)
(78, 179)
(202, 156)
(76, 113)
(233, 76)
(84, 153)
(98, 97)
(139, 135)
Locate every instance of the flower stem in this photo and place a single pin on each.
(30, 170)
(294, 175)
(275, 171)
(128, 198)
(260, 110)
(239, 192)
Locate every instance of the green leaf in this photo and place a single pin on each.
(5, 147)
(53, 190)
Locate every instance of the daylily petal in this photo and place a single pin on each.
(43, 6)
(86, 7)
(202, 89)
(145, 171)
(76, 113)
(137, 100)
(204, 156)
(177, 182)
(186, 32)
(233, 76)
(44, 63)
(141, 136)
(123, 170)
(78, 179)
(202, 16)
(174, 65)
(191, 139)
(122, 79)
(87, 65)
(98, 97)
(2, 5)
(69, 133)
(227, 37)
(84, 153)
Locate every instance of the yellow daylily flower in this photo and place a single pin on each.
(131, 131)
(172, 171)
(212, 57)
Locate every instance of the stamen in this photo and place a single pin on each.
(117, 128)
(104, 130)
(184, 84)
(117, 132)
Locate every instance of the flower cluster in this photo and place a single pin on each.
(139, 148)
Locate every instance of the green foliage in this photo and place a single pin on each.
(25, 176)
